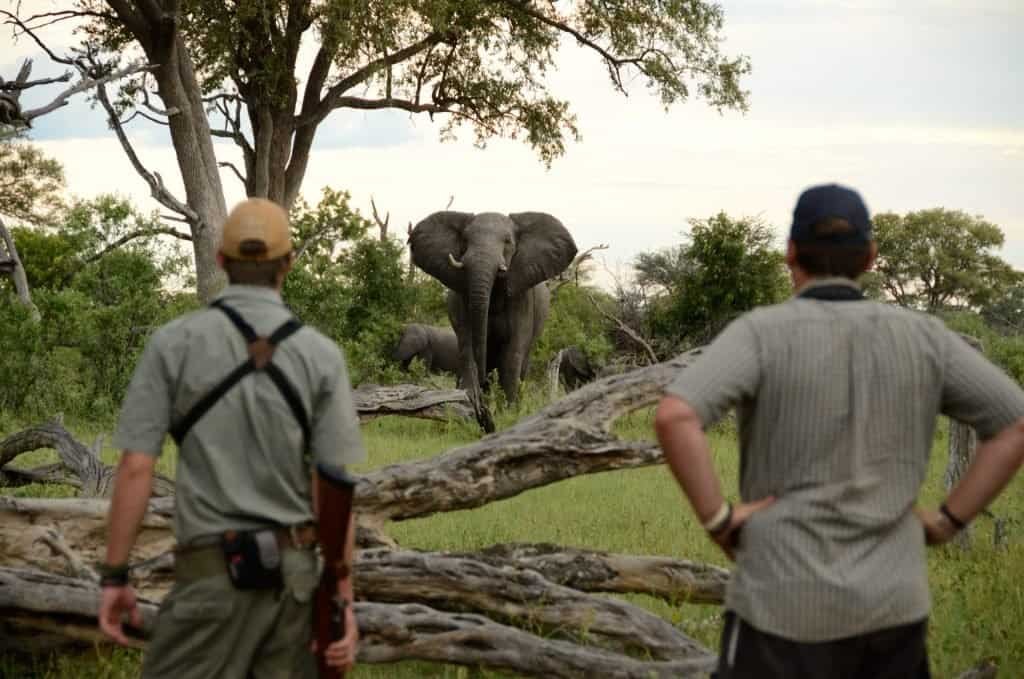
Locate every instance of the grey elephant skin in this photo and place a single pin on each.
(437, 347)
(575, 369)
(494, 267)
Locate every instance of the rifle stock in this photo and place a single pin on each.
(335, 490)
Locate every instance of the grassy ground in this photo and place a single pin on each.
(978, 595)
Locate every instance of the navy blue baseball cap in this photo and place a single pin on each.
(830, 200)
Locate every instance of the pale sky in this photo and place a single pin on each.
(918, 105)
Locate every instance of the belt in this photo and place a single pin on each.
(206, 559)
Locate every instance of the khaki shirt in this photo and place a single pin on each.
(837, 404)
(242, 465)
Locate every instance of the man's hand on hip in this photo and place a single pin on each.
(938, 530)
(728, 539)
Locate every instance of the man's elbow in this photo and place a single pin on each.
(674, 413)
(136, 466)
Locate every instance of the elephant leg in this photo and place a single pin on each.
(509, 371)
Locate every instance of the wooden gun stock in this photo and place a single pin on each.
(335, 490)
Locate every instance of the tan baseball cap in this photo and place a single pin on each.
(256, 230)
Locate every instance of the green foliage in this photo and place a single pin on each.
(574, 321)
(483, 62)
(354, 288)
(1005, 312)
(937, 259)
(1005, 350)
(30, 183)
(98, 305)
(728, 266)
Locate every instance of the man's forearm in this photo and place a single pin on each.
(345, 588)
(995, 463)
(132, 487)
(688, 455)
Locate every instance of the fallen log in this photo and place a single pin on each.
(674, 580)
(564, 440)
(95, 479)
(511, 593)
(81, 523)
(415, 632)
(31, 602)
(411, 400)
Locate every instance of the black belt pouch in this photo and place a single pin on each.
(253, 559)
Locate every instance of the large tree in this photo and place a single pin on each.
(233, 70)
(939, 259)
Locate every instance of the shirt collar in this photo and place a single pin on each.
(827, 282)
(258, 293)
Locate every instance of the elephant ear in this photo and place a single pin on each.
(434, 239)
(544, 248)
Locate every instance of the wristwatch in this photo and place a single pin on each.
(113, 576)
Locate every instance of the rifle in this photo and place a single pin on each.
(335, 489)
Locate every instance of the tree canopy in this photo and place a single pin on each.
(939, 259)
(238, 71)
(30, 183)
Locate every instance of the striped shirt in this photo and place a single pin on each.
(837, 404)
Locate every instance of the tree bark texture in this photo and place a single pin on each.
(17, 271)
(156, 32)
(35, 606)
(411, 400)
(95, 479)
(963, 441)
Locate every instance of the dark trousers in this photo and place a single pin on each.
(892, 653)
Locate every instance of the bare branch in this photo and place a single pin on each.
(361, 75)
(382, 224)
(231, 166)
(156, 186)
(17, 86)
(82, 85)
(141, 233)
(632, 334)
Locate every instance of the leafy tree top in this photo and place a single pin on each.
(481, 62)
(938, 259)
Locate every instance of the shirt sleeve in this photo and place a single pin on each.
(727, 372)
(336, 436)
(146, 411)
(976, 392)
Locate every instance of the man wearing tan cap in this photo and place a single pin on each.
(244, 468)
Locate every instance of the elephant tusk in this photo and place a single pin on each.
(454, 262)
(503, 267)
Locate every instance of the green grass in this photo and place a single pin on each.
(978, 595)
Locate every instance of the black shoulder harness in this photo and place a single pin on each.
(259, 359)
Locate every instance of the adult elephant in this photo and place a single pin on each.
(494, 267)
(437, 347)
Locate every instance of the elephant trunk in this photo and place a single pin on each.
(480, 282)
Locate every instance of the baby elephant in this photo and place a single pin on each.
(437, 346)
(575, 369)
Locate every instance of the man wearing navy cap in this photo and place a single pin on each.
(837, 398)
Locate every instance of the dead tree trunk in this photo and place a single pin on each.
(11, 265)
